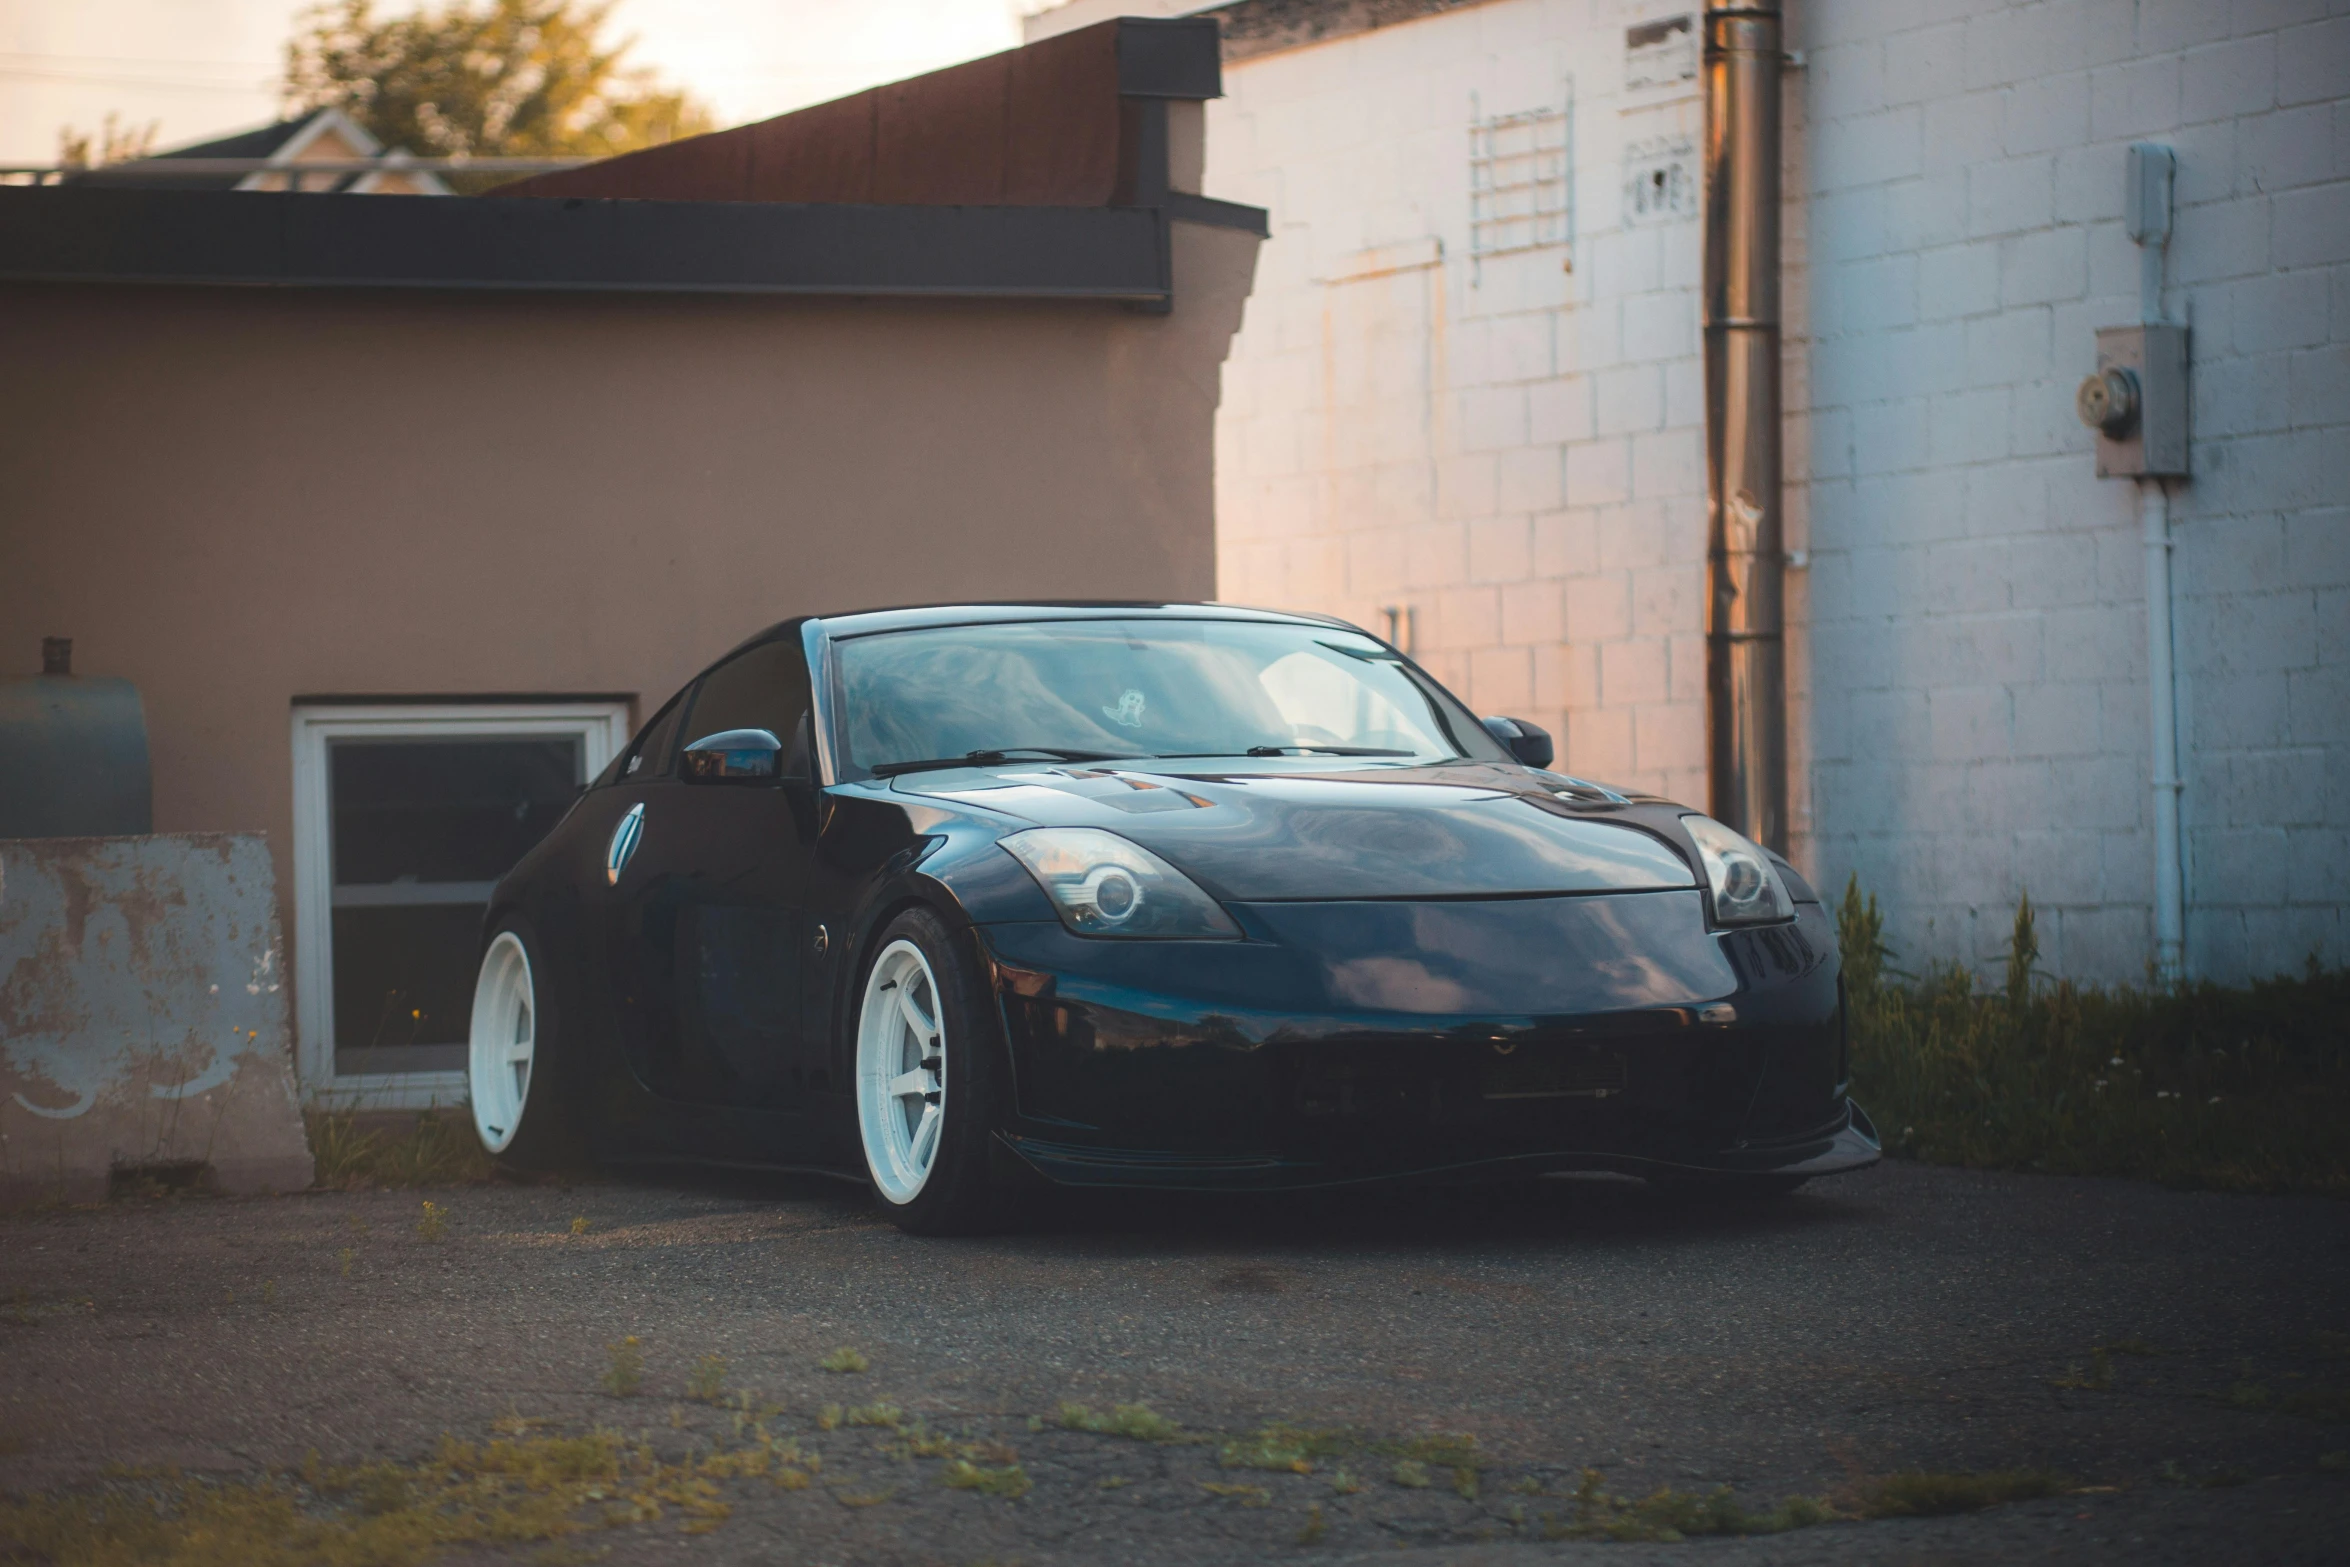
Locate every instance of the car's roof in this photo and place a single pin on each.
(866, 622)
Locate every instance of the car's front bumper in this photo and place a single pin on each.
(1363, 1042)
(1847, 1143)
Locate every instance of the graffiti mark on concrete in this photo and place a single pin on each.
(141, 1016)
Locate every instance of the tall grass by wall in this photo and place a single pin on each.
(2193, 1084)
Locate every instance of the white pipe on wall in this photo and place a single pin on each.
(2170, 902)
(2146, 209)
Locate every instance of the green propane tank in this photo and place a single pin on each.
(73, 753)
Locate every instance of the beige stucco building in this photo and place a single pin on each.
(319, 473)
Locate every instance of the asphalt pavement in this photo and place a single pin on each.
(1902, 1319)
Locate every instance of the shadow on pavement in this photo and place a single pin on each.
(1545, 1213)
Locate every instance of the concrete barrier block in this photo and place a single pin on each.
(143, 1017)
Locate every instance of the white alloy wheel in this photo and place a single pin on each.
(901, 1071)
(503, 1042)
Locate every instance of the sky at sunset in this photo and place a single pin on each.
(205, 67)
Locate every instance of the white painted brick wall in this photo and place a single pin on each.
(1975, 614)
(1518, 455)
(1512, 451)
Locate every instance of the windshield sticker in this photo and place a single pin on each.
(1127, 712)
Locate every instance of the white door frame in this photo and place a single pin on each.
(602, 729)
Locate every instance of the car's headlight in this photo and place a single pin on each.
(1747, 891)
(1104, 885)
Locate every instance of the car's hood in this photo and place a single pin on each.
(1446, 832)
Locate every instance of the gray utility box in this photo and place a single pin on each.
(2152, 442)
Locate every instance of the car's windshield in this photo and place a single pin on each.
(1139, 688)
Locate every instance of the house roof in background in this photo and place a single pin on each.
(283, 144)
(244, 144)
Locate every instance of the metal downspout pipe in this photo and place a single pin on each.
(2170, 899)
(2150, 230)
(1746, 662)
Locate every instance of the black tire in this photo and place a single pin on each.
(547, 1137)
(959, 1194)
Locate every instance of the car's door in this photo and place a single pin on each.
(642, 819)
(738, 938)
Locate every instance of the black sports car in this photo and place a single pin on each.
(1142, 895)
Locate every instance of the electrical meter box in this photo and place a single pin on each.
(2139, 401)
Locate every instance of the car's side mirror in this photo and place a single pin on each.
(733, 756)
(1529, 743)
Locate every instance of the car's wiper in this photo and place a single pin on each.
(1050, 753)
(1284, 750)
(1370, 655)
(1324, 750)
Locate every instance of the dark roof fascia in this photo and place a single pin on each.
(1169, 57)
(283, 239)
(1183, 207)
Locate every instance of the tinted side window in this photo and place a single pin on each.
(655, 751)
(765, 687)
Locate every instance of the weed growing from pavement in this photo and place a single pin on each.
(2198, 1085)
(2097, 1379)
(435, 1221)
(1445, 1449)
(1245, 1495)
(2327, 1405)
(888, 1415)
(1315, 1527)
(845, 1361)
(1675, 1515)
(579, 1225)
(748, 1411)
(2210, 1480)
(1412, 1473)
(1280, 1446)
(380, 1515)
(353, 1152)
(1920, 1494)
(1138, 1421)
(706, 1382)
(624, 1369)
(24, 1311)
(1009, 1482)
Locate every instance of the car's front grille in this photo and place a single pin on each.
(1364, 1090)
(1446, 1080)
(1534, 1071)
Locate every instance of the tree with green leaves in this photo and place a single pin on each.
(506, 78)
